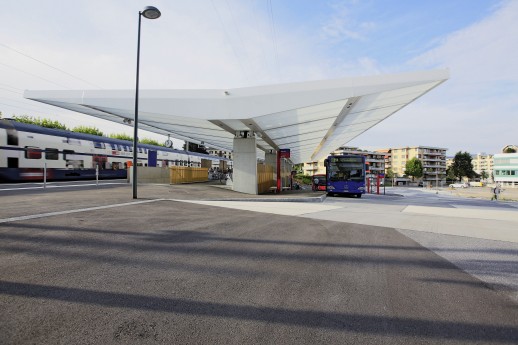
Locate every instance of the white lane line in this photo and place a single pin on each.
(58, 213)
(507, 215)
(63, 186)
(281, 208)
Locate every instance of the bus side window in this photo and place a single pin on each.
(32, 152)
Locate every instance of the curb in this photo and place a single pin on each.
(309, 199)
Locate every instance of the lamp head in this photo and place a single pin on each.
(150, 12)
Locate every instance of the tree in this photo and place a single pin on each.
(461, 165)
(509, 150)
(450, 176)
(88, 130)
(414, 168)
(484, 175)
(390, 173)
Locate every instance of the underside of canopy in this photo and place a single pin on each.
(309, 118)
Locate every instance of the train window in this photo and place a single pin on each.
(12, 162)
(130, 149)
(65, 152)
(74, 141)
(98, 145)
(145, 150)
(140, 150)
(51, 154)
(113, 146)
(12, 137)
(32, 152)
(119, 147)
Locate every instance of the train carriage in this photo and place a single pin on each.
(26, 148)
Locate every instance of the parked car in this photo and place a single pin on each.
(459, 185)
(421, 184)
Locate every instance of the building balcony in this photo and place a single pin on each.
(433, 159)
(435, 153)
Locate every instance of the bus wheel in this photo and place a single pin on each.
(330, 194)
(358, 195)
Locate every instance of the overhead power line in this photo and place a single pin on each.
(16, 92)
(11, 87)
(34, 75)
(274, 39)
(46, 64)
(230, 41)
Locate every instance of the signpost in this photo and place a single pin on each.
(282, 153)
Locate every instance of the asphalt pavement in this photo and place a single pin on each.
(93, 266)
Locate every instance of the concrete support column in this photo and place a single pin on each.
(245, 165)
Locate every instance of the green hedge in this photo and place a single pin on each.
(304, 179)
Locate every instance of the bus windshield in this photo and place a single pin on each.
(346, 169)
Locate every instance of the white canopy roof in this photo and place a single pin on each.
(309, 118)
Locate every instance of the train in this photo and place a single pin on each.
(27, 150)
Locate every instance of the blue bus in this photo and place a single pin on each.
(345, 175)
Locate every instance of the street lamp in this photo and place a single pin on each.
(149, 12)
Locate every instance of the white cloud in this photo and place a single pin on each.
(342, 25)
(476, 109)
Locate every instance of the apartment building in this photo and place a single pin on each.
(220, 153)
(387, 154)
(505, 168)
(375, 161)
(433, 159)
(482, 162)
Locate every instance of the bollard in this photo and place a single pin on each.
(44, 175)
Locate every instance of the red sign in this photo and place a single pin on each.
(284, 153)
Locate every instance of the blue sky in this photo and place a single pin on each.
(231, 43)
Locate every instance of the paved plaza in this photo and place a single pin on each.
(201, 264)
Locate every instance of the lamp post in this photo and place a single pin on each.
(149, 12)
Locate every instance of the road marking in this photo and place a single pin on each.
(281, 208)
(486, 213)
(58, 213)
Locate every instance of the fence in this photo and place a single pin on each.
(187, 174)
(265, 178)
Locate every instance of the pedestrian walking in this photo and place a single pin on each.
(496, 192)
